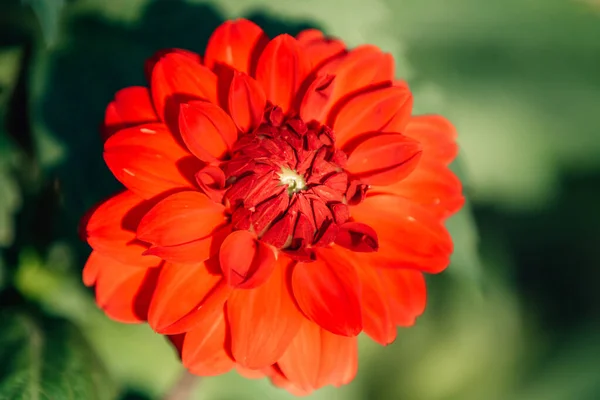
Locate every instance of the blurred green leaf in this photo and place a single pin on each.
(46, 358)
(48, 13)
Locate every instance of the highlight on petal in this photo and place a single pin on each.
(235, 43)
(123, 291)
(384, 159)
(373, 111)
(316, 358)
(131, 106)
(246, 262)
(207, 130)
(110, 230)
(282, 68)
(204, 348)
(263, 320)
(181, 288)
(328, 292)
(181, 218)
(247, 102)
(409, 235)
(178, 78)
(148, 161)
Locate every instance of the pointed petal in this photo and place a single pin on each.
(207, 130)
(124, 291)
(372, 111)
(437, 136)
(178, 78)
(181, 218)
(384, 159)
(328, 292)
(316, 358)
(319, 48)
(247, 101)
(263, 320)
(409, 235)
(246, 262)
(111, 226)
(148, 161)
(131, 106)
(281, 70)
(235, 43)
(180, 289)
(204, 348)
(92, 268)
(405, 292)
(431, 185)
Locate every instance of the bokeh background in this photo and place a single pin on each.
(515, 317)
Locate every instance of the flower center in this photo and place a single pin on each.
(292, 179)
(285, 181)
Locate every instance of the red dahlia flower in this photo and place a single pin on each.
(280, 200)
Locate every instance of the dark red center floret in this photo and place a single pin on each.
(286, 182)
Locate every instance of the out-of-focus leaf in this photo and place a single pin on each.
(48, 13)
(10, 198)
(48, 359)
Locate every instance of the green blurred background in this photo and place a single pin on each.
(516, 316)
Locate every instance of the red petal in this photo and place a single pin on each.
(436, 134)
(357, 237)
(317, 97)
(181, 288)
(384, 159)
(316, 358)
(204, 348)
(246, 262)
(247, 101)
(372, 111)
(92, 268)
(376, 293)
(110, 230)
(263, 321)
(151, 62)
(131, 106)
(431, 185)
(123, 291)
(205, 310)
(148, 161)
(281, 70)
(192, 252)
(406, 294)
(318, 47)
(328, 292)
(409, 235)
(181, 218)
(207, 130)
(178, 78)
(211, 180)
(235, 43)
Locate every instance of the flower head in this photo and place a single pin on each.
(280, 200)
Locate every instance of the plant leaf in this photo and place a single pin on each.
(48, 359)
